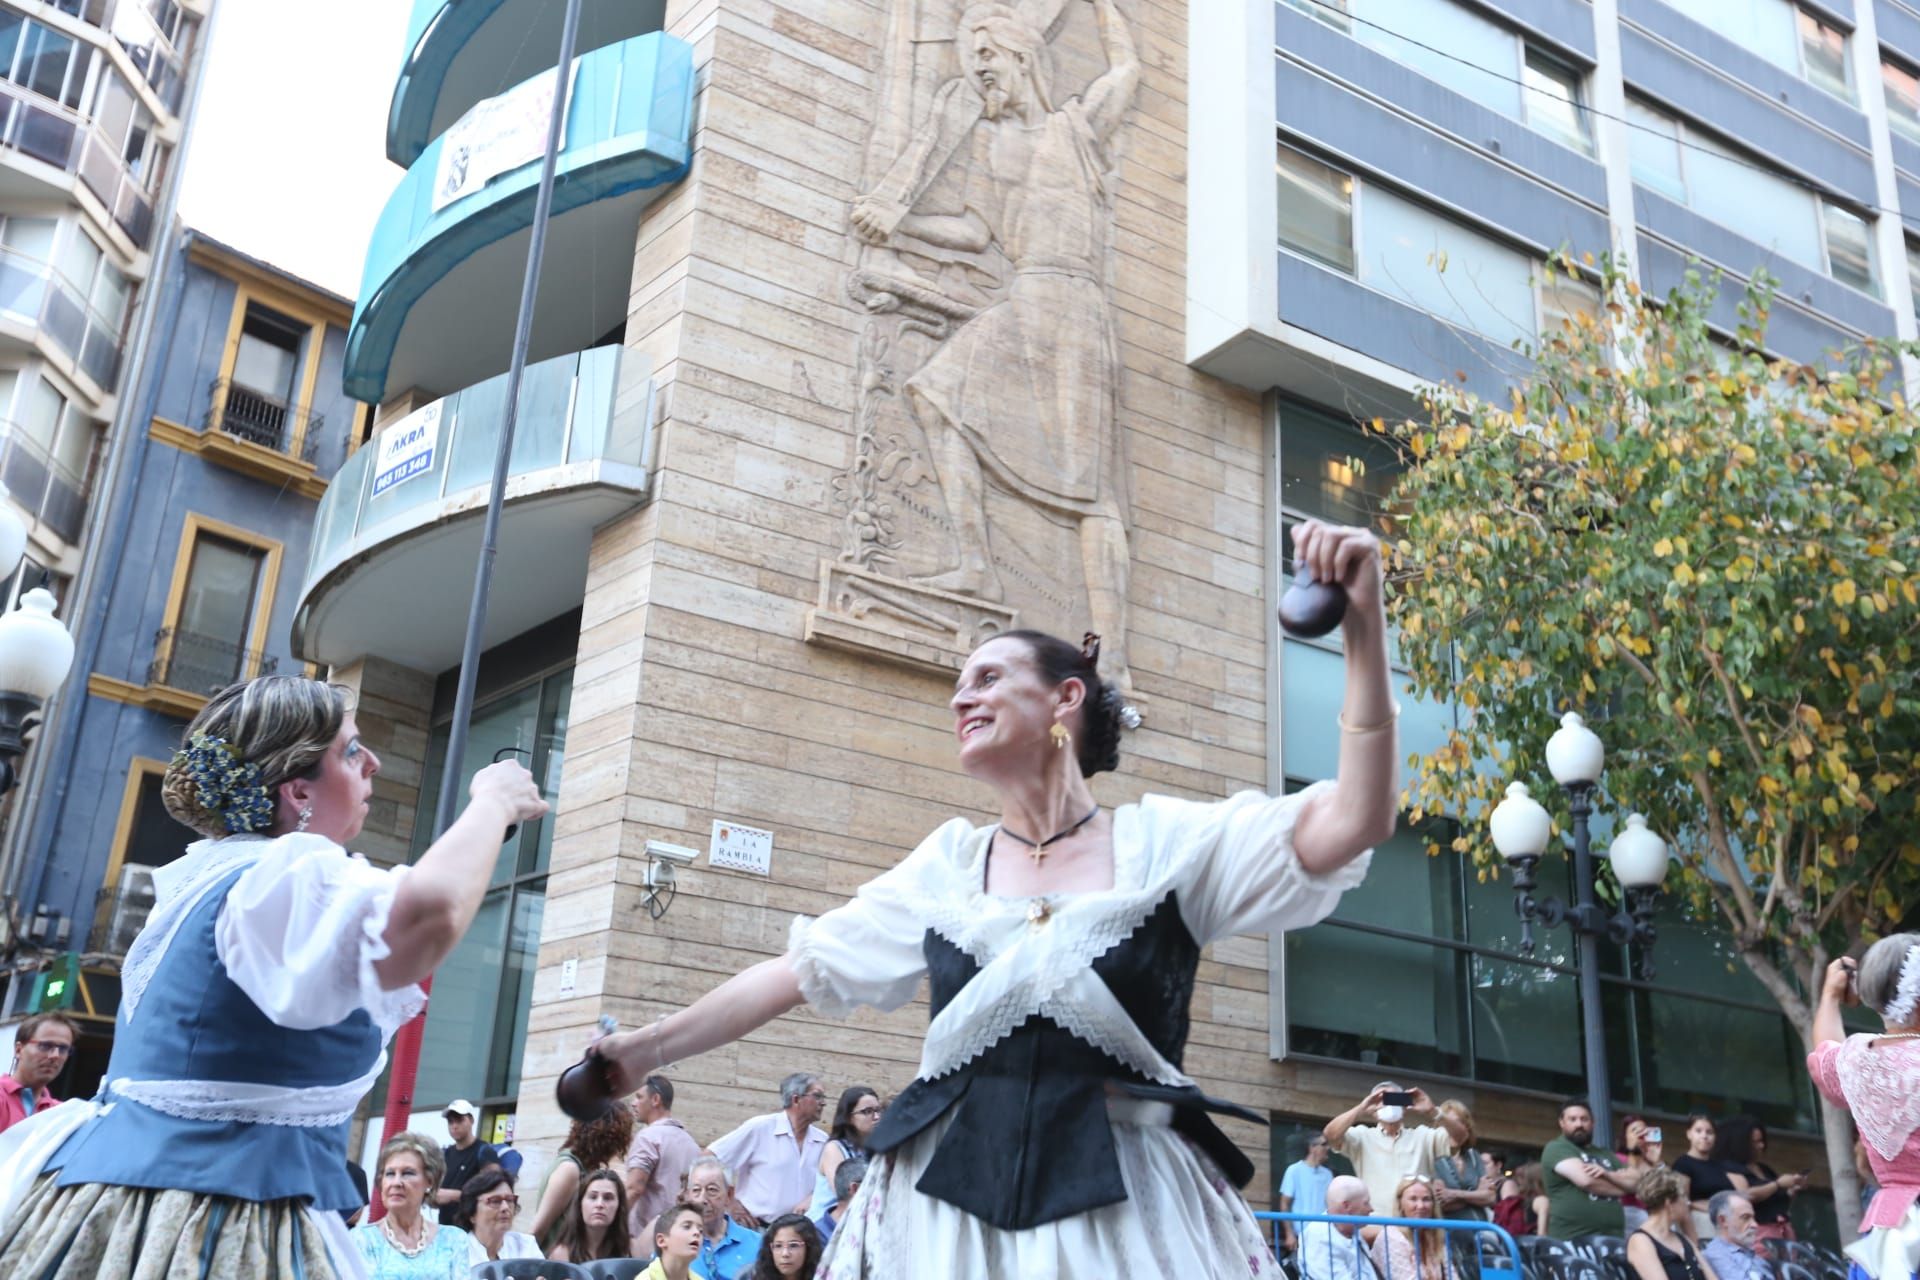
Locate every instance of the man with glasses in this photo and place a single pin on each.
(41, 1048)
(774, 1157)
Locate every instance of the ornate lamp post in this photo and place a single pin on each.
(1521, 829)
(35, 652)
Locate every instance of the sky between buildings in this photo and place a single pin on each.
(288, 158)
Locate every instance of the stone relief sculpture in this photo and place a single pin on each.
(988, 469)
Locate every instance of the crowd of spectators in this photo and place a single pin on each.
(757, 1203)
(1709, 1215)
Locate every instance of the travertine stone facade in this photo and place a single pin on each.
(698, 696)
(391, 705)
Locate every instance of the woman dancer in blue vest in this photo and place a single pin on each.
(1050, 1132)
(255, 1009)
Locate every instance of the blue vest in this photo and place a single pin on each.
(193, 1023)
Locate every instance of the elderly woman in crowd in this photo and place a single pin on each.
(488, 1204)
(408, 1244)
(255, 1007)
(596, 1223)
(1877, 1078)
(597, 1144)
(1061, 943)
(1409, 1253)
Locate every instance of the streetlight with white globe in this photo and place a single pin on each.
(1521, 830)
(36, 652)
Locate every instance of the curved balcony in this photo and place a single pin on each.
(459, 52)
(437, 299)
(395, 541)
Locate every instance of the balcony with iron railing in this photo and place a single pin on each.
(38, 298)
(37, 127)
(263, 420)
(41, 485)
(202, 665)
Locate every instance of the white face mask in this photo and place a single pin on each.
(1390, 1115)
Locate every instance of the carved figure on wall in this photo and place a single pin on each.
(1022, 388)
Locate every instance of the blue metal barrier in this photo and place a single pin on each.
(1474, 1248)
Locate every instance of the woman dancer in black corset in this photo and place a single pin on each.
(1050, 1130)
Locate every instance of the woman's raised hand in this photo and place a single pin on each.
(1344, 555)
(508, 784)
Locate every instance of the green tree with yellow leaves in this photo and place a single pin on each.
(1715, 557)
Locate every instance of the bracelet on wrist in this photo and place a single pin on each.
(1361, 730)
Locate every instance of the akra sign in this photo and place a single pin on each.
(406, 448)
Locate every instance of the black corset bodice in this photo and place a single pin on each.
(1030, 1141)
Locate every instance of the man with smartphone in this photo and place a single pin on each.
(1387, 1150)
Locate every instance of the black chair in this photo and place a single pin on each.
(1578, 1268)
(526, 1269)
(616, 1268)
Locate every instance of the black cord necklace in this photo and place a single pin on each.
(1040, 849)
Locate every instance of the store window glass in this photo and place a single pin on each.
(483, 993)
(1332, 470)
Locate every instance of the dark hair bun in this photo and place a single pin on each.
(1100, 728)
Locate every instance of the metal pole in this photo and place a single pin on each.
(406, 1050)
(1599, 1092)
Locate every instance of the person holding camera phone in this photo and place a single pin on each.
(1387, 1150)
(1874, 1077)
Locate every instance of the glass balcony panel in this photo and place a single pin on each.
(540, 434)
(468, 437)
(398, 499)
(333, 522)
(479, 413)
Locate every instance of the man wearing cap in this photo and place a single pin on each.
(466, 1157)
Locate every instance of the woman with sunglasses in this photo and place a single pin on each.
(859, 1111)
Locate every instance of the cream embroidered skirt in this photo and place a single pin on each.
(98, 1232)
(1181, 1217)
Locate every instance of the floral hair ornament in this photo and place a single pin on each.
(1906, 993)
(225, 784)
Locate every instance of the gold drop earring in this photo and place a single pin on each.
(1060, 736)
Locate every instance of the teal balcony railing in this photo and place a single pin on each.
(461, 51)
(566, 418)
(628, 128)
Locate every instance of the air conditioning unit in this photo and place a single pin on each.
(132, 901)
